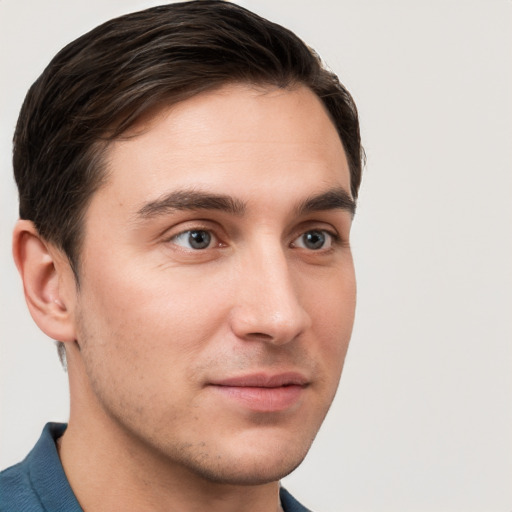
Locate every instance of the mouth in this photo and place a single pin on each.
(262, 392)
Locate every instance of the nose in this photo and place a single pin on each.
(267, 305)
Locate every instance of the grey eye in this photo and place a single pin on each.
(194, 239)
(313, 240)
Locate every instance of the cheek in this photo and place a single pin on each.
(168, 310)
(332, 309)
(142, 333)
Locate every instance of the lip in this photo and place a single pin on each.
(261, 392)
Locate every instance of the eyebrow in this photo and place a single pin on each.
(182, 200)
(193, 200)
(333, 199)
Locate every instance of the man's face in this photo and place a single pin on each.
(217, 285)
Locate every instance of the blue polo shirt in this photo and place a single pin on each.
(39, 484)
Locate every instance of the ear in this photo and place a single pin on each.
(48, 282)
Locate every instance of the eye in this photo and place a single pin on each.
(314, 240)
(194, 239)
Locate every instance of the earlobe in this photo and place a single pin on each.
(46, 276)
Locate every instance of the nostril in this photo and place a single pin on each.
(259, 336)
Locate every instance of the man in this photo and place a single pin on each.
(187, 177)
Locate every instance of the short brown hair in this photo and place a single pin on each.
(101, 83)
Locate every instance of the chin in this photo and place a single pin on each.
(248, 472)
(256, 463)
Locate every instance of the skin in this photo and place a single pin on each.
(157, 324)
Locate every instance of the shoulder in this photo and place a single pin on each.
(289, 503)
(16, 491)
(38, 483)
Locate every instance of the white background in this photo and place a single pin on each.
(423, 419)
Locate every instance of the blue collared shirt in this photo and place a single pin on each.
(39, 484)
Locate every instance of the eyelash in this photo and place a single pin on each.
(334, 238)
(188, 232)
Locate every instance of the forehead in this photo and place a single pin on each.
(236, 138)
